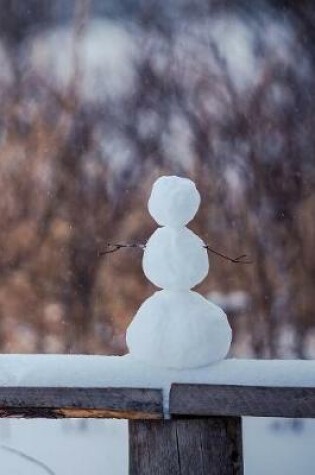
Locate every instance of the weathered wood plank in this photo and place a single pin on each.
(237, 401)
(209, 446)
(126, 403)
(153, 448)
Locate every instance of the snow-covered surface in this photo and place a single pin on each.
(100, 447)
(125, 371)
(105, 71)
(236, 301)
(278, 447)
(68, 447)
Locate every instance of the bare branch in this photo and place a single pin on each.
(242, 259)
(117, 247)
(29, 458)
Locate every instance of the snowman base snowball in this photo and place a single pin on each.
(177, 327)
(179, 330)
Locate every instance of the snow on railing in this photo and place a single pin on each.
(196, 430)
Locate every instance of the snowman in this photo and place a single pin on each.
(176, 327)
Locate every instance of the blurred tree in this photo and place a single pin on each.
(223, 100)
(18, 19)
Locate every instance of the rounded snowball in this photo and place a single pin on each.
(174, 201)
(179, 330)
(175, 259)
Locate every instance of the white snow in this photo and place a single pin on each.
(175, 259)
(177, 328)
(277, 447)
(101, 447)
(126, 371)
(98, 447)
(181, 329)
(234, 301)
(67, 447)
(104, 71)
(174, 201)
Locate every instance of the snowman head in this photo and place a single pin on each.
(174, 201)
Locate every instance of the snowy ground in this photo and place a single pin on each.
(272, 447)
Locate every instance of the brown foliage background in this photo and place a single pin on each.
(95, 105)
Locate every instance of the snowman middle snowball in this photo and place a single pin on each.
(176, 327)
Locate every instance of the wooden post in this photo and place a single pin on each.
(186, 446)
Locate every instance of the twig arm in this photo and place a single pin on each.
(116, 247)
(242, 259)
(111, 248)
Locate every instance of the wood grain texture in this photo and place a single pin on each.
(207, 446)
(126, 403)
(237, 401)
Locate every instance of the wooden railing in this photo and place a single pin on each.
(201, 434)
